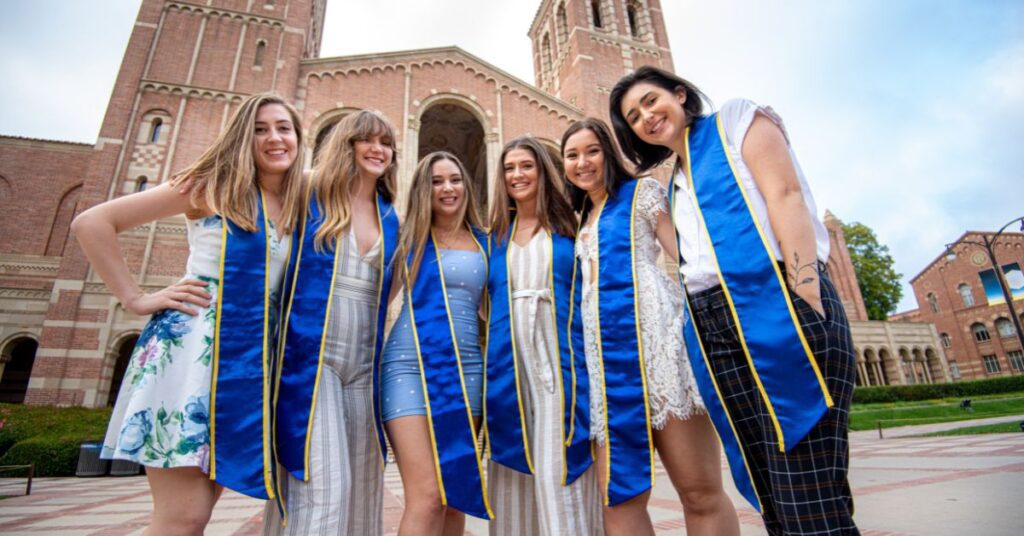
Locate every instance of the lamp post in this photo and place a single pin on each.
(988, 243)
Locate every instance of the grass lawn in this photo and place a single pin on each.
(867, 416)
(1001, 428)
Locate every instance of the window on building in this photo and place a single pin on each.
(980, 332)
(954, 370)
(991, 364)
(595, 11)
(1016, 359)
(141, 183)
(933, 302)
(154, 130)
(965, 294)
(545, 60)
(1004, 327)
(562, 27)
(633, 16)
(946, 341)
(261, 50)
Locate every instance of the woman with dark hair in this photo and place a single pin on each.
(642, 393)
(536, 390)
(777, 369)
(431, 374)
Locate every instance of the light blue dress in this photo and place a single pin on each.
(465, 274)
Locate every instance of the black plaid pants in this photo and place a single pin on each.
(804, 490)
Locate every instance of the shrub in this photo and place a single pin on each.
(905, 393)
(48, 437)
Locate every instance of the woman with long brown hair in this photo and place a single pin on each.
(432, 369)
(196, 401)
(325, 430)
(643, 395)
(536, 390)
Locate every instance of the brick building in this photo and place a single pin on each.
(65, 340)
(888, 353)
(960, 296)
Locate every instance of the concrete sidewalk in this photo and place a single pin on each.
(957, 485)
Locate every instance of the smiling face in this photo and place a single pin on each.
(373, 155)
(522, 179)
(583, 158)
(275, 143)
(654, 113)
(448, 192)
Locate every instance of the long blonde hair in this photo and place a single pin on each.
(554, 212)
(224, 178)
(335, 172)
(419, 216)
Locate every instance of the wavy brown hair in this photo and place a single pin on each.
(335, 172)
(554, 212)
(225, 178)
(419, 215)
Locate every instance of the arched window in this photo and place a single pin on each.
(261, 50)
(633, 16)
(980, 332)
(545, 60)
(561, 27)
(1004, 327)
(595, 11)
(946, 341)
(154, 130)
(141, 183)
(933, 302)
(62, 221)
(965, 294)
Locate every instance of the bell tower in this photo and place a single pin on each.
(582, 47)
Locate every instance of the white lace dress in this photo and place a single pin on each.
(671, 389)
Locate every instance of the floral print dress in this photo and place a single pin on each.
(162, 414)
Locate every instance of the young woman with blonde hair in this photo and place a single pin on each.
(536, 391)
(196, 401)
(432, 369)
(325, 429)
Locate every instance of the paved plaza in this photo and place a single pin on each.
(959, 485)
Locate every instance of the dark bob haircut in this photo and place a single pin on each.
(637, 151)
(615, 171)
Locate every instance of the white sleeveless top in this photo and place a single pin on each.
(699, 267)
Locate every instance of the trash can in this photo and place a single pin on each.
(89, 462)
(124, 468)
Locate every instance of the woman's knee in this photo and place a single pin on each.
(700, 499)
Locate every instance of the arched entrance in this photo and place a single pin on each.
(18, 357)
(888, 368)
(450, 126)
(323, 126)
(938, 374)
(124, 356)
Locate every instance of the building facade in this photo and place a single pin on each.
(959, 294)
(65, 340)
(888, 353)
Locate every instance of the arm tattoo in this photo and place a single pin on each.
(795, 269)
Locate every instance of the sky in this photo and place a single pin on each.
(906, 115)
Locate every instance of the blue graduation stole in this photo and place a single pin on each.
(305, 329)
(450, 421)
(781, 362)
(240, 398)
(629, 461)
(505, 430)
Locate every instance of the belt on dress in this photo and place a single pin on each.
(536, 296)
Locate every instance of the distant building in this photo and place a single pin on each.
(961, 296)
(888, 353)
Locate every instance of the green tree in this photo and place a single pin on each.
(878, 280)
